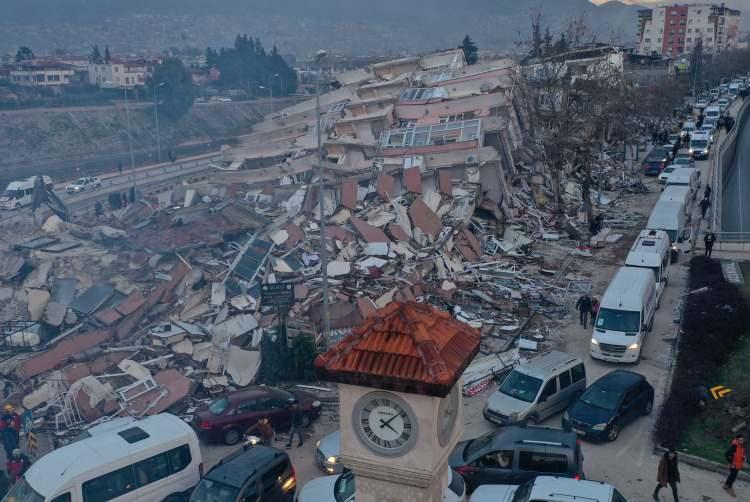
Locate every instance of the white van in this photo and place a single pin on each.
(685, 177)
(712, 112)
(700, 145)
(21, 193)
(670, 217)
(651, 250)
(626, 314)
(682, 194)
(549, 489)
(734, 89)
(156, 458)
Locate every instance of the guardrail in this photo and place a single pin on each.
(722, 164)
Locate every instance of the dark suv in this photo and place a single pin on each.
(515, 454)
(251, 474)
(227, 418)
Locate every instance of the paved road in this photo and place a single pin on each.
(735, 215)
(629, 463)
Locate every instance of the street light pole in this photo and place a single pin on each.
(156, 118)
(130, 138)
(319, 56)
(270, 89)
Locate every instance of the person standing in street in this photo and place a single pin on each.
(17, 465)
(584, 309)
(297, 425)
(707, 192)
(594, 309)
(11, 429)
(735, 455)
(704, 205)
(668, 474)
(264, 428)
(708, 240)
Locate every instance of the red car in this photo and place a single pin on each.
(227, 418)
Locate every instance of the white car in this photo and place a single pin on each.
(662, 178)
(549, 489)
(341, 489)
(221, 99)
(83, 184)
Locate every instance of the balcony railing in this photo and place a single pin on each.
(438, 134)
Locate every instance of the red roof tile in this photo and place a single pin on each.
(133, 302)
(339, 234)
(349, 194)
(407, 347)
(296, 235)
(385, 185)
(369, 232)
(445, 182)
(413, 180)
(58, 355)
(425, 219)
(398, 232)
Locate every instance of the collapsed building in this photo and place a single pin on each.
(431, 193)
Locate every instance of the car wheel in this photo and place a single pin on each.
(232, 437)
(649, 407)
(613, 432)
(532, 419)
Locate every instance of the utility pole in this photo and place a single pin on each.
(156, 119)
(319, 56)
(130, 138)
(601, 168)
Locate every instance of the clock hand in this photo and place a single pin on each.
(383, 423)
(388, 422)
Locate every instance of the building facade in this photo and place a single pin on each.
(40, 73)
(674, 30)
(119, 74)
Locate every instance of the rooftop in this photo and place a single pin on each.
(407, 347)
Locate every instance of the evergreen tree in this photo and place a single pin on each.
(24, 54)
(175, 87)
(95, 56)
(107, 56)
(471, 51)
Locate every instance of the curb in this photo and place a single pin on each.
(706, 465)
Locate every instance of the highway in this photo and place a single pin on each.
(735, 207)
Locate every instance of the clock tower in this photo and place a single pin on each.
(400, 402)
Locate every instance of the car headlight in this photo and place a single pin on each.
(594, 342)
(331, 460)
(599, 427)
(633, 346)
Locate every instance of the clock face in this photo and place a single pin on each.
(385, 423)
(447, 415)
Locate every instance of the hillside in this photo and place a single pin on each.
(296, 26)
(93, 139)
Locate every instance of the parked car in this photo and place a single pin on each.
(683, 159)
(83, 184)
(662, 178)
(228, 417)
(549, 489)
(537, 389)
(327, 453)
(341, 489)
(655, 161)
(611, 402)
(251, 473)
(515, 454)
(221, 99)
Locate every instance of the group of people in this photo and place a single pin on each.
(17, 462)
(587, 306)
(668, 472)
(264, 428)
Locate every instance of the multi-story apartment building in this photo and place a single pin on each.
(41, 73)
(673, 30)
(119, 73)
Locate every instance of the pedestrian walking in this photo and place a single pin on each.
(297, 425)
(264, 428)
(584, 309)
(119, 166)
(668, 474)
(735, 455)
(708, 240)
(98, 209)
(124, 199)
(704, 205)
(594, 308)
(17, 465)
(707, 192)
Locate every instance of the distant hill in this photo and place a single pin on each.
(296, 26)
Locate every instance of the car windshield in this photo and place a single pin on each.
(9, 193)
(343, 490)
(217, 407)
(627, 321)
(602, 397)
(80, 181)
(521, 386)
(22, 492)
(668, 170)
(701, 143)
(681, 160)
(477, 445)
(213, 491)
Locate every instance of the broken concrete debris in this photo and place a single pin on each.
(157, 305)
